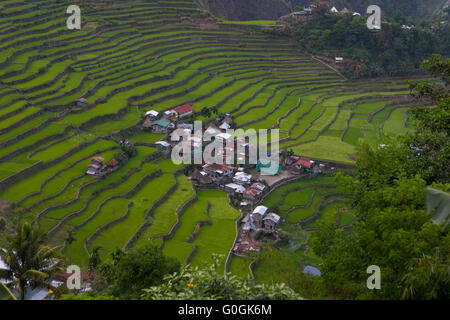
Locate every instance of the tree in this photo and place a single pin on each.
(429, 277)
(206, 112)
(3, 223)
(141, 269)
(94, 258)
(392, 229)
(121, 156)
(70, 238)
(30, 263)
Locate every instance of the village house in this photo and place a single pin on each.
(270, 221)
(182, 111)
(257, 216)
(304, 164)
(81, 102)
(247, 224)
(200, 177)
(224, 126)
(339, 60)
(234, 188)
(218, 171)
(152, 114)
(255, 192)
(242, 178)
(163, 146)
(161, 126)
(96, 166)
(252, 195)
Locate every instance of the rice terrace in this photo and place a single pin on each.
(82, 156)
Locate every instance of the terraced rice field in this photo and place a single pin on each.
(303, 204)
(132, 56)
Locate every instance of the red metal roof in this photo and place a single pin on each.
(185, 108)
(220, 167)
(304, 162)
(252, 191)
(98, 159)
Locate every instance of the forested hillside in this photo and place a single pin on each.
(416, 9)
(396, 49)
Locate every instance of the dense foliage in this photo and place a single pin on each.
(194, 283)
(148, 275)
(390, 51)
(393, 230)
(129, 272)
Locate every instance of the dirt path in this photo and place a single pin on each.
(327, 65)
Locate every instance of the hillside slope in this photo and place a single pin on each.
(133, 56)
(248, 9)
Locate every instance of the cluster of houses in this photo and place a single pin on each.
(259, 220)
(97, 167)
(171, 123)
(306, 13)
(234, 183)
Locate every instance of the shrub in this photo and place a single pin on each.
(3, 223)
(194, 283)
